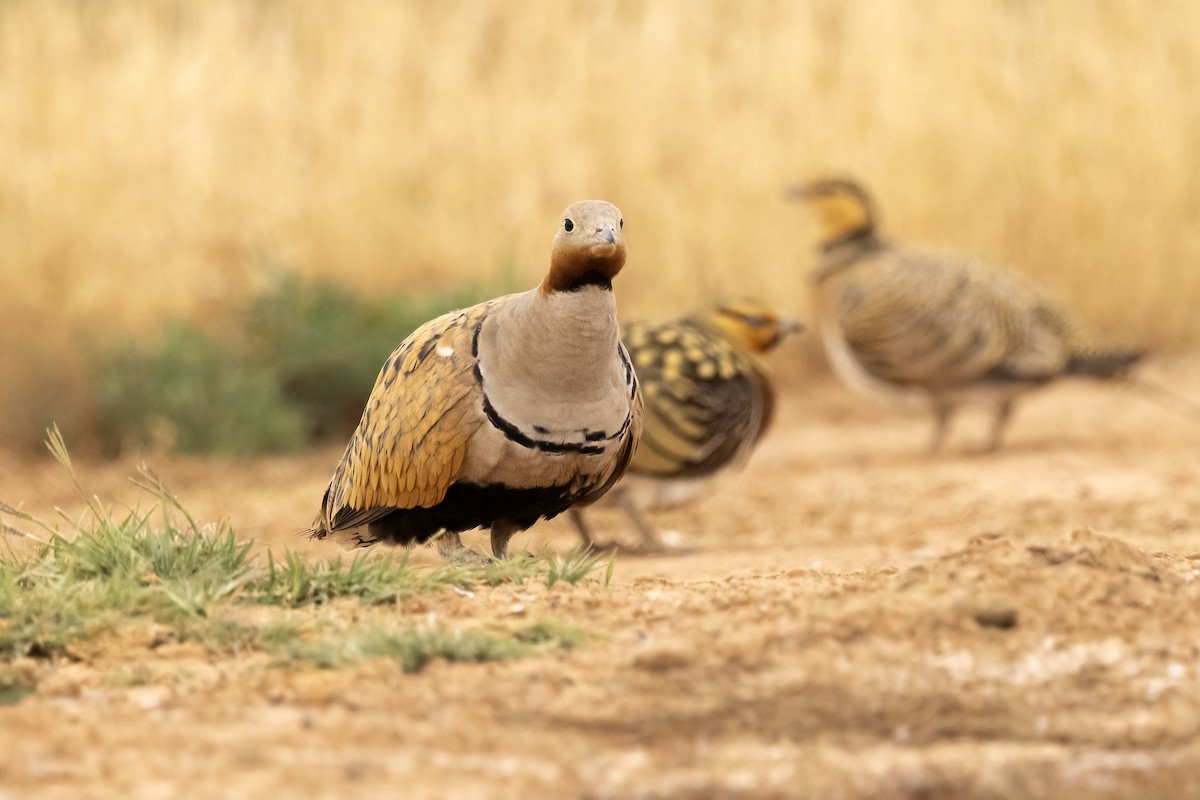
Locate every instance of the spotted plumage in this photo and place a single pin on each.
(709, 400)
(896, 321)
(501, 414)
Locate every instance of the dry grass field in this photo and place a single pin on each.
(858, 620)
(163, 155)
(158, 152)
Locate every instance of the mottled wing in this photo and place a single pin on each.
(1040, 333)
(924, 320)
(706, 403)
(410, 444)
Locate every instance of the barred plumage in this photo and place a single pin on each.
(952, 329)
(500, 414)
(709, 400)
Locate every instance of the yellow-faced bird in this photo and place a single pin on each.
(709, 400)
(954, 330)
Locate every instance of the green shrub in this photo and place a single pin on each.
(295, 364)
(324, 344)
(192, 393)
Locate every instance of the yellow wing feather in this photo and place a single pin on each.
(706, 401)
(411, 441)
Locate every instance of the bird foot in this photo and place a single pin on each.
(451, 548)
(466, 557)
(663, 543)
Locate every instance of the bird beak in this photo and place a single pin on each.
(609, 235)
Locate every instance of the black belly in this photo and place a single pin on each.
(468, 506)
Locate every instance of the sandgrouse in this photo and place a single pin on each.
(709, 400)
(500, 414)
(953, 329)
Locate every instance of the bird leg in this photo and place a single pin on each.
(651, 543)
(1000, 425)
(451, 548)
(942, 412)
(585, 531)
(502, 531)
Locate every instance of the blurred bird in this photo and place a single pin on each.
(709, 400)
(500, 414)
(956, 330)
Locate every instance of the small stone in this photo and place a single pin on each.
(662, 659)
(1002, 618)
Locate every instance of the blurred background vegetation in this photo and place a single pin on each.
(291, 365)
(164, 156)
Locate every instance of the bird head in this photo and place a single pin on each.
(751, 327)
(589, 248)
(842, 208)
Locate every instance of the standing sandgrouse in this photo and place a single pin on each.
(500, 414)
(709, 400)
(956, 330)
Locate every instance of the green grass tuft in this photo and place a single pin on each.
(415, 647)
(571, 568)
(117, 569)
(296, 581)
(159, 566)
(575, 566)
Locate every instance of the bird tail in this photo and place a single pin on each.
(321, 526)
(1103, 364)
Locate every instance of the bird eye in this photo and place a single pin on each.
(621, 223)
(568, 226)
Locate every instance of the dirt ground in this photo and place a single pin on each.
(858, 620)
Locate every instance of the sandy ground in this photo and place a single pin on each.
(858, 620)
